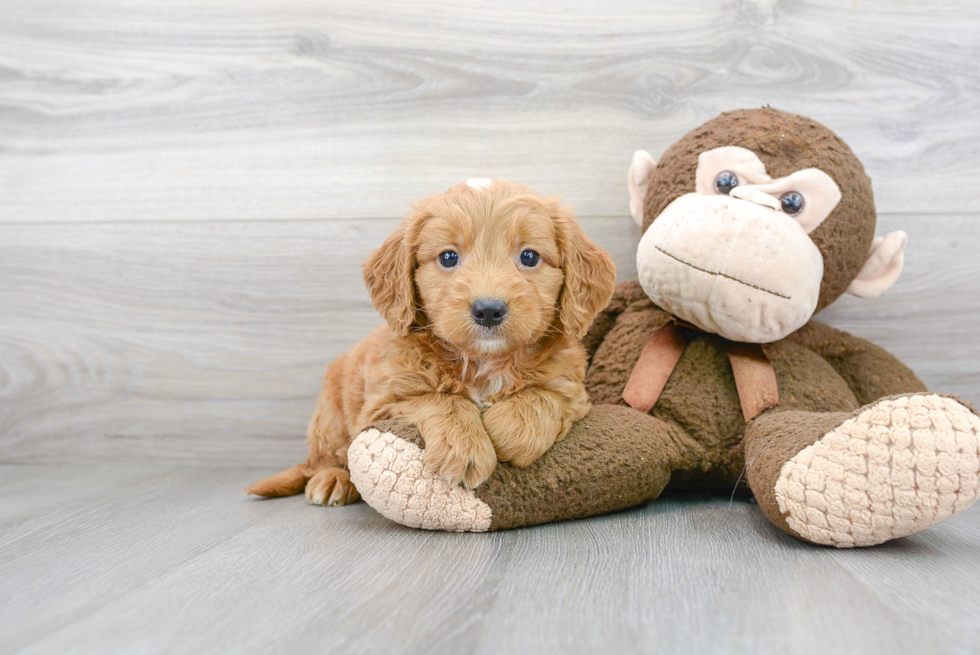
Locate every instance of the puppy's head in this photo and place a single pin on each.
(488, 267)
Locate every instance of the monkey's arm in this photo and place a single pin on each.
(870, 371)
(625, 294)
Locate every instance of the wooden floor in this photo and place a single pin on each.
(105, 558)
(187, 189)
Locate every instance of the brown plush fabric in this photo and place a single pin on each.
(612, 459)
(635, 320)
(856, 361)
(785, 143)
(701, 398)
(626, 294)
(407, 431)
(772, 440)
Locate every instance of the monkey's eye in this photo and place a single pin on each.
(792, 203)
(725, 182)
(448, 259)
(530, 258)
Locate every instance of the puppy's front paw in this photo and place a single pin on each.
(520, 436)
(331, 486)
(465, 456)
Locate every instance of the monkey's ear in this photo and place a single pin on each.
(882, 268)
(639, 182)
(389, 273)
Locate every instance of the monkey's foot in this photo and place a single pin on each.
(900, 465)
(388, 472)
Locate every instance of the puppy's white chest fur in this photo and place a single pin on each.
(487, 385)
(491, 387)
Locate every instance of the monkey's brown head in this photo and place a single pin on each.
(755, 221)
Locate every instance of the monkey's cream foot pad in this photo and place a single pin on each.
(897, 467)
(388, 473)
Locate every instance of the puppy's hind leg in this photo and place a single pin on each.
(325, 485)
(331, 486)
(329, 482)
(324, 475)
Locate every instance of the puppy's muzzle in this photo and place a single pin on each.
(488, 312)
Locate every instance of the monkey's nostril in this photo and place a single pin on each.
(488, 312)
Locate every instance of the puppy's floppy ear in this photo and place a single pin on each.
(590, 274)
(389, 273)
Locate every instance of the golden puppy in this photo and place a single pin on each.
(486, 289)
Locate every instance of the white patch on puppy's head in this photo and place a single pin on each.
(479, 182)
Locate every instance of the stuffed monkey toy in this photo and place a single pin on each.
(708, 373)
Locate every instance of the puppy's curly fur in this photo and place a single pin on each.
(478, 394)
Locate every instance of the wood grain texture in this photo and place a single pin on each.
(305, 109)
(206, 342)
(187, 190)
(162, 559)
(192, 342)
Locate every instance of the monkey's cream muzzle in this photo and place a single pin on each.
(745, 271)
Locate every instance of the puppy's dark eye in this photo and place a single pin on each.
(448, 259)
(725, 182)
(530, 258)
(792, 203)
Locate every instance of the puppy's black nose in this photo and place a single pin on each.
(489, 312)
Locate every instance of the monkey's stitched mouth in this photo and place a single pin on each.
(719, 274)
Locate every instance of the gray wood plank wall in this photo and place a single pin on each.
(187, 188)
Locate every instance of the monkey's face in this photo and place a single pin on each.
(756, 220)
(735, 256)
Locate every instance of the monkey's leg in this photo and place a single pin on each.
(612, 459)
(891, 468)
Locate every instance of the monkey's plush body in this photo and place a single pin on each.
(708, 373)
